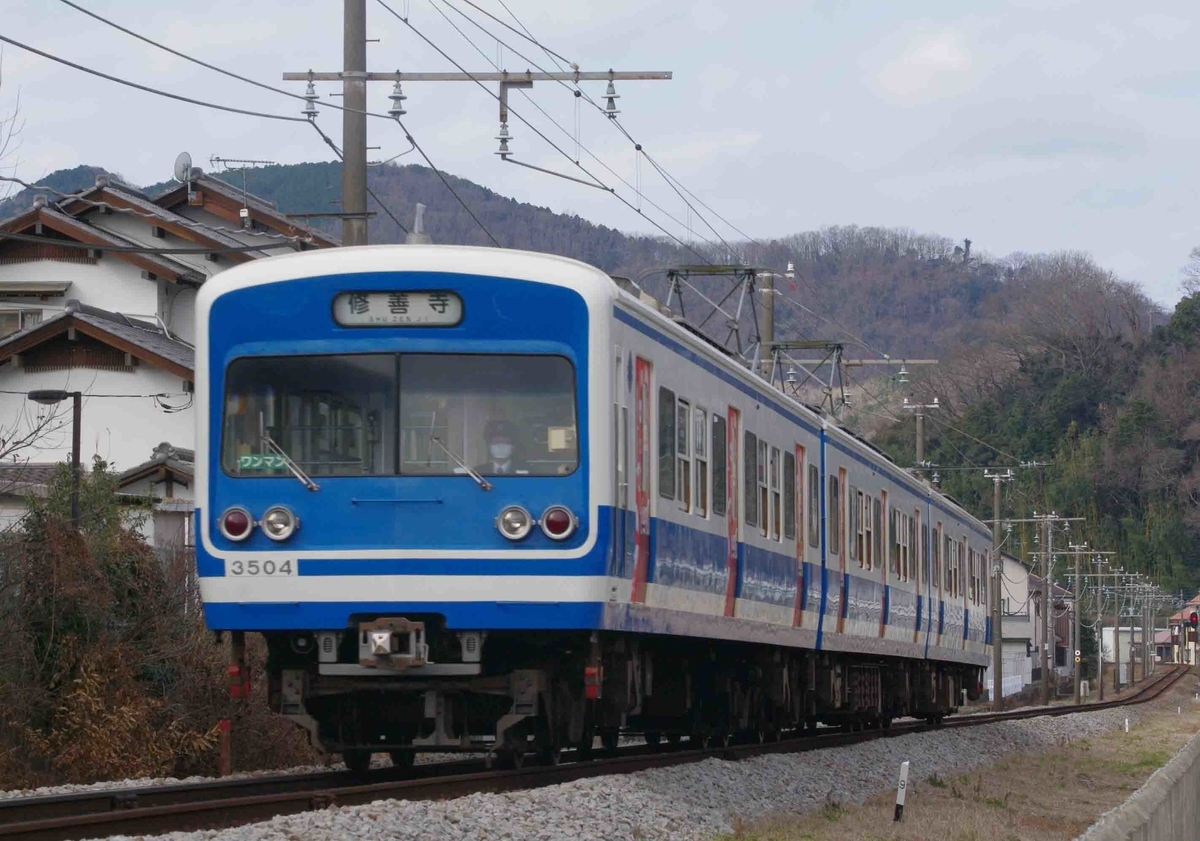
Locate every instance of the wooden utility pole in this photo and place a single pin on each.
(354, 78)
(766, 324)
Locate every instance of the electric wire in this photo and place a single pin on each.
(213, 67)
(147, 89)
(545, 114)
(139, 249)
(537, 131)
(437, 171)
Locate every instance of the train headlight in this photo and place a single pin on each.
(279, 523)
(235, 523)
(558, 522)
(514, 522)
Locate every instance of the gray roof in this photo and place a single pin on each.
(167, 267)
(264, 207)
(144, 334)
(149, 208)
(165, 455)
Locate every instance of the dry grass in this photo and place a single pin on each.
(1056, 795)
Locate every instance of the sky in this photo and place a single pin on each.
(1029, 125)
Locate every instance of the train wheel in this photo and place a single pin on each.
(402, 758)
(510, 758)
(653, 737)
(357, 761)
(886, 723)
(550, 755)
(673, 739)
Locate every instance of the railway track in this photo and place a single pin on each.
(222, 803)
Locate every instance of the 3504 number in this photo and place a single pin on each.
(260, 568)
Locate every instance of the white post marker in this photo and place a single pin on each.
(1126, 725)
(901, 788)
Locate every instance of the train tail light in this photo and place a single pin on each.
(235, 523)
(592, 678)
(279, 523)
(514, 522)
(558, 523)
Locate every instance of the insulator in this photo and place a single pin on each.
(610, 108)
(791, 376)
(397, 97)
(310, 104)
(503, 137)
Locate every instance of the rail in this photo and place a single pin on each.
(223, 803)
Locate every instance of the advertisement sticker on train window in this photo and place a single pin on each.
(397, 309)
(256, 568)
(261, 462)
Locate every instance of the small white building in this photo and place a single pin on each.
(88, 304)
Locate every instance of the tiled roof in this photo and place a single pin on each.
(31, 477)
(166, 456)
(143, 335)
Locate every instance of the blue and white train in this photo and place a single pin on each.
(484, 497)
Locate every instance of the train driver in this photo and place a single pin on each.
(501, 438)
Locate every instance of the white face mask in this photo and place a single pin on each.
(501, 452)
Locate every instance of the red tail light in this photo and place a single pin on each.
(235, 523)
(558, 522)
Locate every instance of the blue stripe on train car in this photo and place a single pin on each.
(845, 594)
(766, 576)
(941, 617)
(987, 631)
(920, 609)
(686, 557)
(887, 604)
(966, 623)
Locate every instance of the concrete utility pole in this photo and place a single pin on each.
(1116, 640)
(1077, 550)
(1047, 608)
(997, 589)
(354, 78)
(766, 326)
(354, 123)
(920, 409)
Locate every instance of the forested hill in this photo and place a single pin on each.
(902, 293)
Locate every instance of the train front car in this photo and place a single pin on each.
(394, 488)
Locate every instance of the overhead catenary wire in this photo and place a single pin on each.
(535, 129)
(573, 137)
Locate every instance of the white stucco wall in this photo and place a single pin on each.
(122, 430)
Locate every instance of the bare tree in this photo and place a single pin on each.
(11, 126)
(1191, 273)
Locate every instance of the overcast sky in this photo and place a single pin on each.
(1029, 125)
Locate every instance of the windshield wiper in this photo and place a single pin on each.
(482, 482)
(269, 443)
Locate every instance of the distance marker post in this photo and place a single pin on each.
(901, 788)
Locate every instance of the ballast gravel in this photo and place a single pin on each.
(685, 802)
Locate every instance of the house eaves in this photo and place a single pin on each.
(226, 201)
(40, 218)
(117, 196)
(142, 340)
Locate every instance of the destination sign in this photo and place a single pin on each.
(397, 309)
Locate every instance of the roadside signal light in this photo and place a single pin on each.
(1193, 619)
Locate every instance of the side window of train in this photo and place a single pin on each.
(764, 512)
(877, 534)
(894, 541)
(911, 571)
(935, 556)
(814, 506)
(972, 592)
(776, 495)
(683, 423)
(959, 584)
(854, 521)
(666, 443)
(750, 480)
(985, 575)
(924, 549)
(700, 443)
(789, 495)
(720, 488)
(948, 563)
(833, 504)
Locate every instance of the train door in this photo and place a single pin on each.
(643, 465)
(733, 491)
(620, 422)
(796, 479)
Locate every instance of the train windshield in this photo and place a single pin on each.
(379, 414)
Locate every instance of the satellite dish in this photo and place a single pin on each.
(183, 167)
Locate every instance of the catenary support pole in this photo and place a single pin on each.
(997, 590)
(1047, 608)
(766, 328)
(1077, 645)
(354, 123)
(76, 421)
